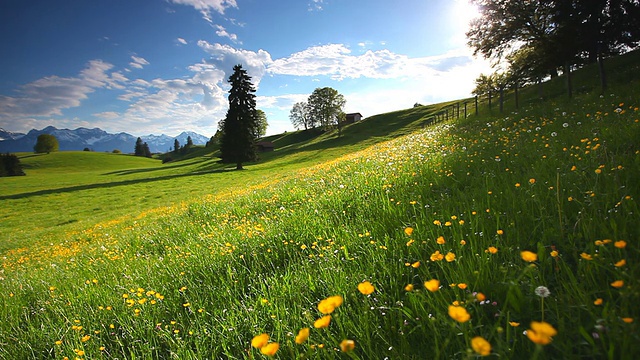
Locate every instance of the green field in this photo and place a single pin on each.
(440, 239)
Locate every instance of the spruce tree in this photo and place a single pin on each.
(139, 149)
(237, 144)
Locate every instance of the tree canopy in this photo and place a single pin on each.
(322, 109)
(46, 143)
(240, 128)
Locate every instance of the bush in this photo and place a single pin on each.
(10, 165)
(167, 159)
(116, 151)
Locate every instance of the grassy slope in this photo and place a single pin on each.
(233, 266)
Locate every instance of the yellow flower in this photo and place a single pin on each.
(437, 222)
(541, 332)
(270, 349)
(328, 305)
(259, 341)
(462, 286)
(514, 324)
(532, 181)
(621, 263)
(554, 253)
(323, 322)
(432, 285)
(480, 296)
(628, 320)
(586, 256)
(436, 256)
(347, 345)
(500, 232)
(415, 265)
(440, 240)
(529, 256)
(366, 288)
(620, 244)
(408, 231)
(618, 284)
(459, 314)
(85, 338)
(302, 336)
(481, 346)
(409, 287)
(492, 249)
(598, 302)
(450, 257)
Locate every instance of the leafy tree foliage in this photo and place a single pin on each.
(261, 118)
(300, 116)
(325, 106)
(10, 165)
(240, 126)
(46, 143)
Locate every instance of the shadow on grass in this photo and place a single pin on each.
(112, 184)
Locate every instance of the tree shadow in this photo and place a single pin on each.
(112, 184)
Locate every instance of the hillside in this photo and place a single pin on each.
(511, 235)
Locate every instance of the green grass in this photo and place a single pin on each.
(256, 251)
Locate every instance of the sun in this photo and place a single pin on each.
(463, 12)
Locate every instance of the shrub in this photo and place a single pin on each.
(116, 151)
(10, 165)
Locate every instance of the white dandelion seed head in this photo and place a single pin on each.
(542, 291)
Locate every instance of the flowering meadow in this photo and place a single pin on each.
(513, 235)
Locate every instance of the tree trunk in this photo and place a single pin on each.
(501, 99)
(603, 75)
(540, 90)
(567, 73)
(489, 100)
(239, 166)
(516, 90)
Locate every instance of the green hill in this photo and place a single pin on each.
(509, 234)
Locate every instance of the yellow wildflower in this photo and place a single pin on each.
(328, 305)
(621, 263)
(432, 285)
(408, 231)
(529, 256)
(366, 288)
(541, 332)
(302, 336)
(618, 284)
(440, 240)
(323, 322)
(598, 302)
(459, 314)
(450, 257)
(481, 346)
(620, 244)
(347, 345)
(270, 349)
(409, 287)
(259, 341)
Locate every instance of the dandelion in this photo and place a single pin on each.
(259, 341)
(529, 256)
(347, 345)
(409, 287)
(432, 285)
(618, 284)
(328, 305)
(541, 332)
(542, 291)
(408, 231)
(302, 336)
(366, 288)
(323, 322)
(270, 349)
(481, 346)
(459, 314)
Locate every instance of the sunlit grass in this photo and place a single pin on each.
(511, 236)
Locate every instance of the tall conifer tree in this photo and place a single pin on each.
(237, 144)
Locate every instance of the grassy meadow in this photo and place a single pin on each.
(506, 235)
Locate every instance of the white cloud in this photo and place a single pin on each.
(222, 32)
(206, 6)
(315, 5)
(138, 62)
(225, 57)
(181, 41)
(50, 95)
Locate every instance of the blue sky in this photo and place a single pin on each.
(161, 66)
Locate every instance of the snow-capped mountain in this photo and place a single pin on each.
(94, 139)
(8, 135)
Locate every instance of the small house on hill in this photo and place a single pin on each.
(353, 117)
(264, 146)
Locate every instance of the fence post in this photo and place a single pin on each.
(465, 109)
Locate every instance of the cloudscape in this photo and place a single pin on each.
(161, 66)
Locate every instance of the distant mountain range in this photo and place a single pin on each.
(94, 139)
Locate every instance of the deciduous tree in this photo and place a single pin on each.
(325, 106)
(46, 143)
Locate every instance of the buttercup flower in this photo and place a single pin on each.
(270, 349)
(481, 346)
(618, 284)
(432, 285)
(529, 256)
(302, 336)
(366, 288)
(459, 314)
(259, 341)
(541, 332)
(323, 322)
(347, 345)
(328, 305)
(408, 231)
